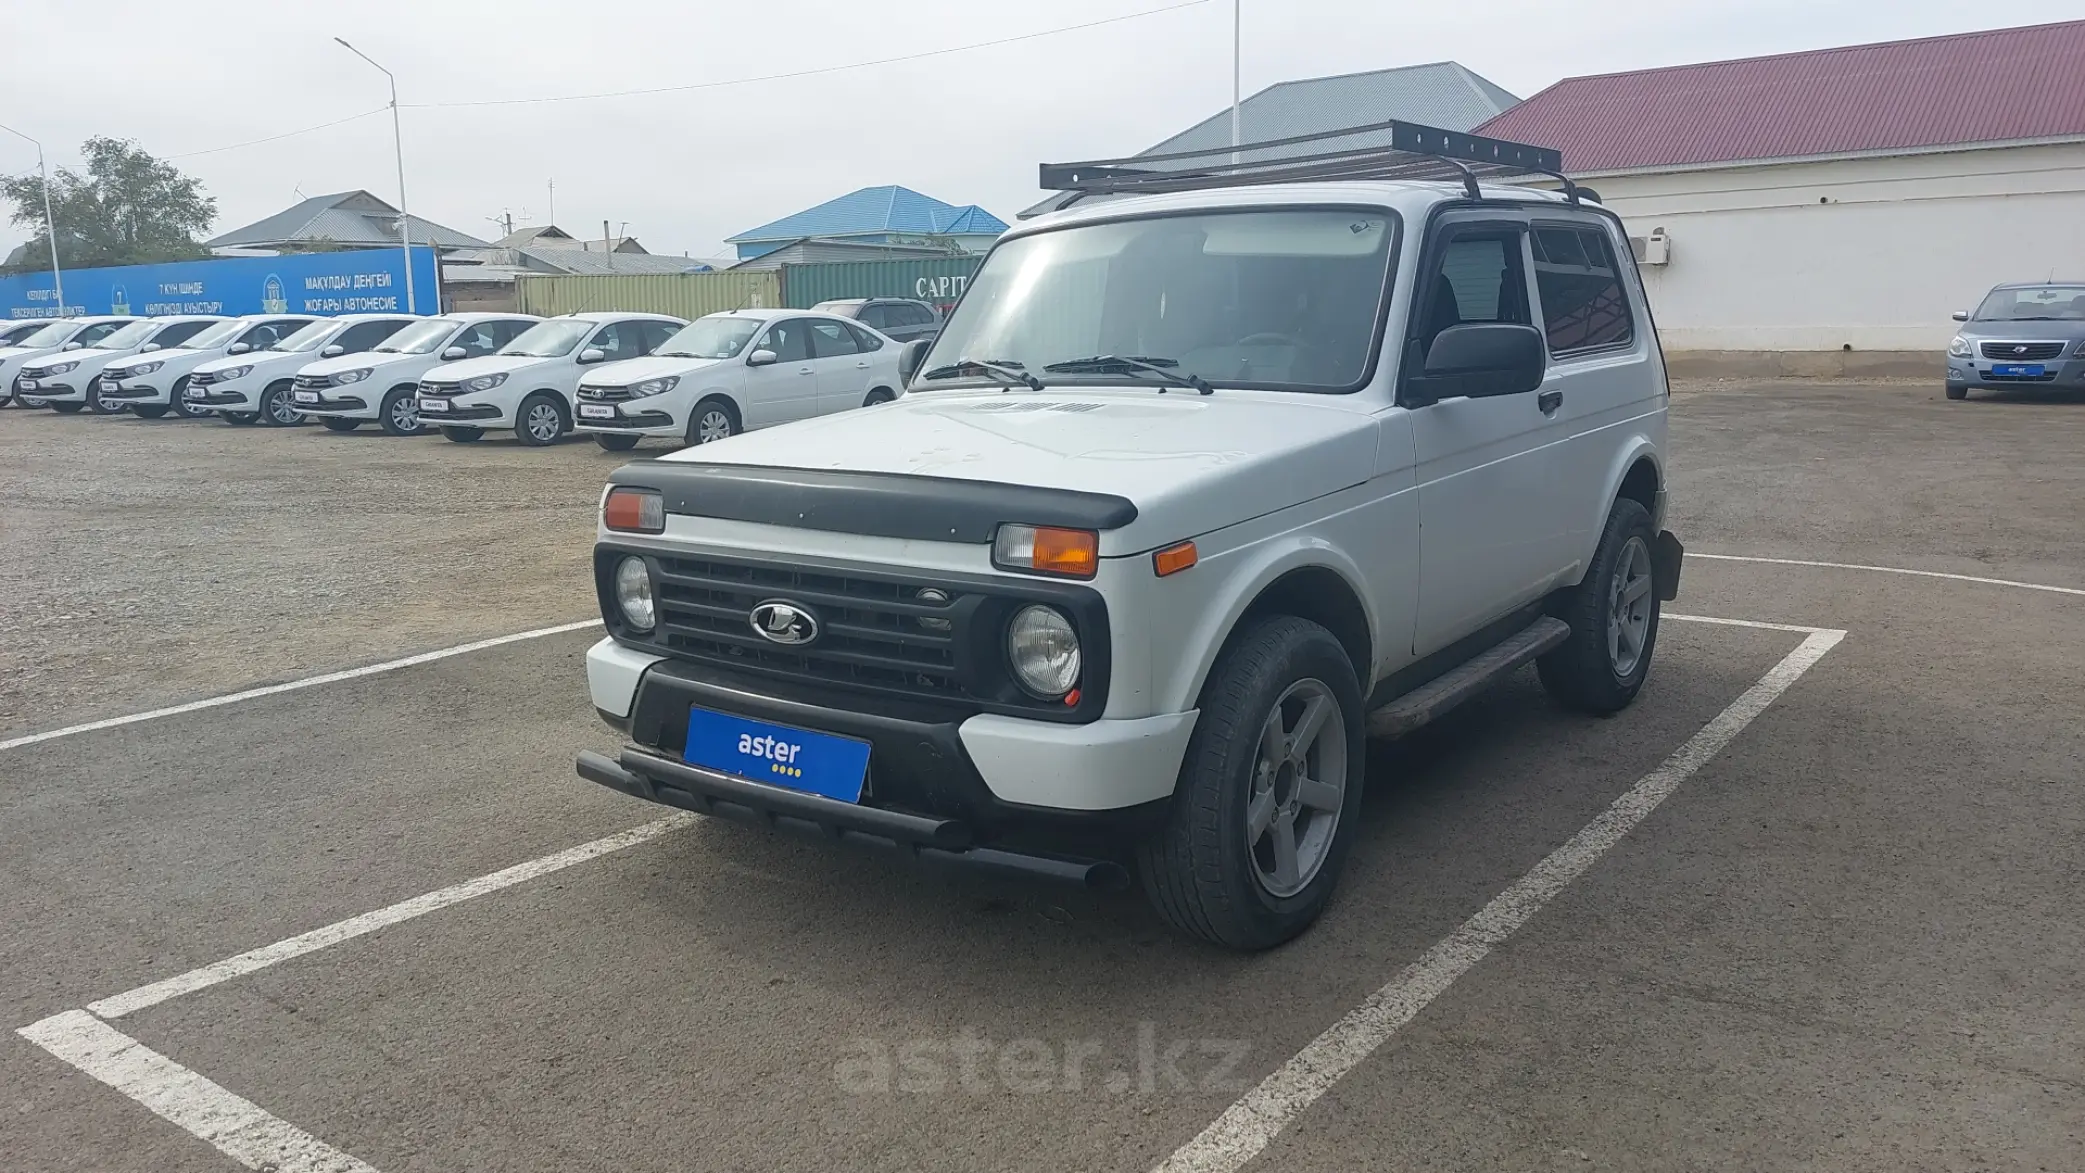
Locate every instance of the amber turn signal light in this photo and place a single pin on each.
(633, 511)
(1174, 559)
(1045, 549)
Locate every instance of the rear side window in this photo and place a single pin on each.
(864, 339)
(916, 314)
(831, 339)
(1584, 306)
(874, 316)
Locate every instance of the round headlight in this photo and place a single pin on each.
(633, 593)
(1044, 651)
(1959, 348)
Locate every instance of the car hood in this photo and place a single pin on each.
(225, 362)
(173, 354)
(1190, 463)
(355, 362)
(637, 370)
(2066, 328)
(491, 364)
(89, 359)
(13, 352)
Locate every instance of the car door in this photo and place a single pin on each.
(1601, 377)
(1487, 508)
(787, 388)
(843, 370)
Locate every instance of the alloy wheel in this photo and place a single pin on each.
(1298, 787)
(1629, 607)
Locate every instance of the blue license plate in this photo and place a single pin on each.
(2018, 370)
(779, 755)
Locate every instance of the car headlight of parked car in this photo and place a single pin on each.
(654, 386)
(633, 593)
(1043, 649)
(355, 376)
(484, 382)
(1959, 348)
(60, 368)
(228, 373)
(143, 368)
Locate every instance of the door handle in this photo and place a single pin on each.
(803, 370)
(1549, 401)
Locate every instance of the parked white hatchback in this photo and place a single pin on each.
(256, 387)
(152, 385)
(55, 336)
(529, 385)
(71, 379)
(346, 392)
(733, 372)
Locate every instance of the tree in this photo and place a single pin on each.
(129, 209)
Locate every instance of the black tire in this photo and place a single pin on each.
(339, 425)
(541, 420)
(463, 435)
(615, 443)
(98, 405)
(177, 402)
(399, 413)
(1587, 672)
(243, 419)
(276, 411)
(710, 409)
(150, 411)
(879, 395)
(63, 408)
(1201, 871)
(1957, 392)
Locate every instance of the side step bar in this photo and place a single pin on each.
(1472, 676)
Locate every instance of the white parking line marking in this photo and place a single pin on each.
(235, 1126)
(1721, 622)
(294, 685)
(1248, 1126)
(355, 926)
(2004, 582)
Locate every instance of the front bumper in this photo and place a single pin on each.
(336, 406)
(630, 423)
(2065, 373)
(217, 398)
(464, 414)
(1051, 790)
(49, 391)
(131, 391)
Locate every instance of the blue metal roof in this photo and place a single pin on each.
(877, 209)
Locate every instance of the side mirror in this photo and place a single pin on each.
(909, 358)
(591, 355)
(237, 348)
(75, 346)
(763, 358)
(149, 347)
(1961, 315)
(454, 353)
(1481, 359)
(333, 351)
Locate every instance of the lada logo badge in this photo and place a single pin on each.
(783, 622)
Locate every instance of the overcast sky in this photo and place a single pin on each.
(687, 169)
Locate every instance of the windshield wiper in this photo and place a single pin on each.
(1009, 373)
(1134, 364)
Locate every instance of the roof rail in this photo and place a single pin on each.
(1395, 150)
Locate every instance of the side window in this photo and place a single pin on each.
(506, 330)
(265, 335)
(618, 340)
(363, 335)
(832, 338)
(790, 340)
(97, 332)
(178, 333)
(1584, 306)
(478, 340)
(1479, 279)
(876, 317)
(912, 314)
(655, 334)
(864, 339)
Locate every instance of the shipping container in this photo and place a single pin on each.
(683, 295)
(939, 280)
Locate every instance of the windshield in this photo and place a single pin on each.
(309, 338)
(718, 337)
(1280, 299)
(134, 334)
(550, 339)
(2040, 303)
(220, 334)
(54, 334)
(419, 338)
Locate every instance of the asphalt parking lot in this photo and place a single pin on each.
(1834, 925)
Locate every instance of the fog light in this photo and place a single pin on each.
(1044, 651)
(633, 593)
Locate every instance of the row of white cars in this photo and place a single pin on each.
(617, 376)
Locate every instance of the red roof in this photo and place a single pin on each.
(2000, 86)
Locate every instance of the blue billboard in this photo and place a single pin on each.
(361, 282)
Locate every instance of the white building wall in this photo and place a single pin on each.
(1872, 254)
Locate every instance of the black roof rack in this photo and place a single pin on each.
(1393, 150)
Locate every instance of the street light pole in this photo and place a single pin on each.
(50, 225)
(1237, 44)
(405, 223)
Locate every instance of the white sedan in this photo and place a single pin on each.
(734, 372)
